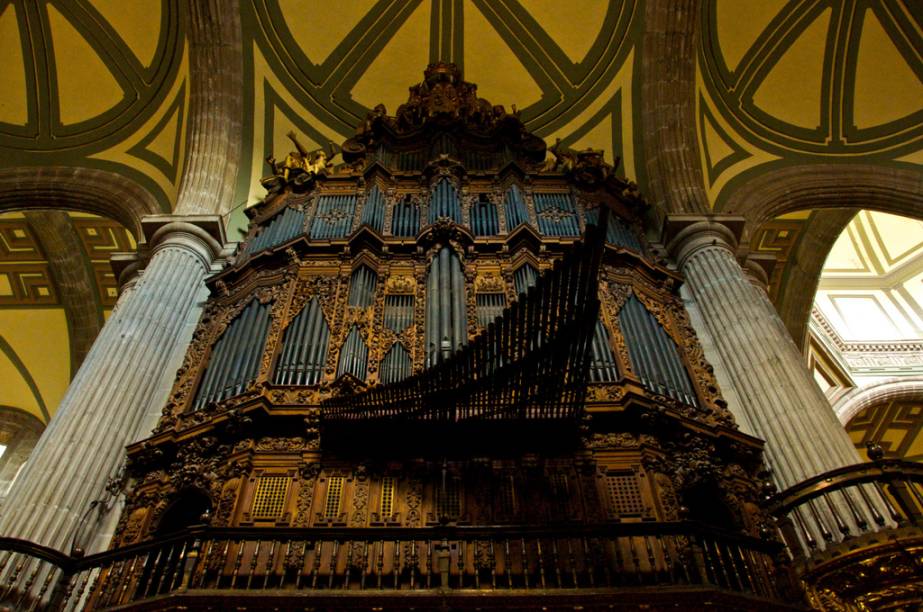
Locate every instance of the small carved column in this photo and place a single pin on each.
(116, 396)
(762, 374)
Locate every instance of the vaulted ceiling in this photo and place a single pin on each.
(752, 107)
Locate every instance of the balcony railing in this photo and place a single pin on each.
(836, 506)
(351, 561)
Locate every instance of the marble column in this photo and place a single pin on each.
(762, 374)
(116, 395)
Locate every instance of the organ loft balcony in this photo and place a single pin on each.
(446, 368)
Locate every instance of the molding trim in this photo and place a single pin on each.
(856, 400)
(76, 188)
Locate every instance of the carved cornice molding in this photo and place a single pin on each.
(844, 346)
(201, 235)
(685, 235)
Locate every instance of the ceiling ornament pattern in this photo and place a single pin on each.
(895, 425)
(43, 337)
(87, 78)
(568, 68)
(811, 80)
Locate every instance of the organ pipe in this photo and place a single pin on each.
(602, 361)
(524, 277)
(396, 364)
(398, 312)
(654, 356)
(557, 215)
(516, 211)
(489, 307)
(373, 213)
(334, 217)
(304, 348)
(444, 202)
(445, 307)
(280, 229)
(405, 220)
(617, 232)
(354, 356)
(362, 284)
(484, 218)
(235, 358)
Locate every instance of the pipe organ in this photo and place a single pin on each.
(440, 241)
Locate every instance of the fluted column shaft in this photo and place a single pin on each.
(115, 396)
(769, 390)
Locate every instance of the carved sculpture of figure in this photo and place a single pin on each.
(562, 159)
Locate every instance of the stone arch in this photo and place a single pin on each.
(854, 401)
(79, 189)
(837, 191)
(19, 431)
(833, 185)
(673, 177)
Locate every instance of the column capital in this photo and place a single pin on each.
(201, 234)
(758, 268)
(684, 235)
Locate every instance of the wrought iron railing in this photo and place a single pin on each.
(838, 505)
(352, 560)
(530, 363)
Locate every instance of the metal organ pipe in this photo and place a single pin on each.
(524, 277)
(446, 329)
(603, 366)
(617, 232)
(557, 215)
(396, 364)
(281, 228)
(304, 348)
(373, 213)
(235, 359)
(398, 313)
(444, 202)
(484, 219)
(516, 211)
(240, 341)
(334, 217)
(653, 353)
(362, 284)
(444, 338)
(353, 356)
(406, 218)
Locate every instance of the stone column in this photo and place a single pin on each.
(117, 393)
(761, 372)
